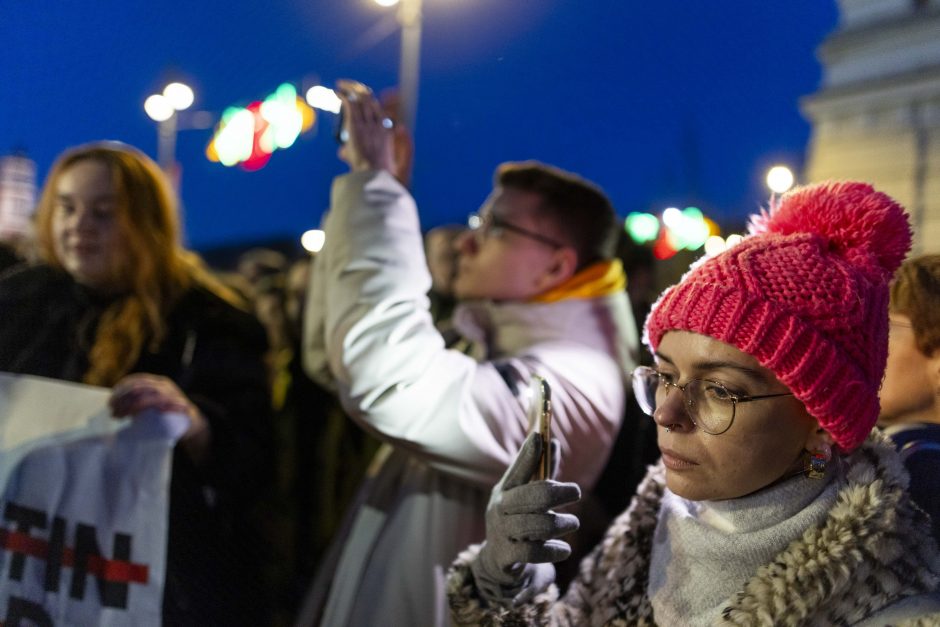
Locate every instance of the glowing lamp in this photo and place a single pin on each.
(313, 240)
(780, 179)
(642, 227)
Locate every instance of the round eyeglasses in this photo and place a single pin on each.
(486, 225)
(709, 404)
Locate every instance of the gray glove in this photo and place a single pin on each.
(514, 563)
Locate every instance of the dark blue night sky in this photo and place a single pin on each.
(667, 102)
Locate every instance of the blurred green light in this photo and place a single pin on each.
(689, 230)
(642, 227)
(283, 117)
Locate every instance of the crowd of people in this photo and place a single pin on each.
(359, 448)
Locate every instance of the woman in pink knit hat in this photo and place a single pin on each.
(773, 503)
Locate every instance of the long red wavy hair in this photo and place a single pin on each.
(156, 270)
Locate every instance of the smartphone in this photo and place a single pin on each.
(341, 133)
(540, 421)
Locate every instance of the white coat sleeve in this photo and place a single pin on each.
(394, 375)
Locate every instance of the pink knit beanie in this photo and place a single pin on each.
(806, 293)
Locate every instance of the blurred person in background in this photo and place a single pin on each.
(322, 455)
(260, 263)
(540, 295)
(9, 256)
(440, 249)
(118, 302)
(910, 393)
(774, 503)
(326, 481)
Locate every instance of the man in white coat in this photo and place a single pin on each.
(540, 295)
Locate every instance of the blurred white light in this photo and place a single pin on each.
(386, 3)
(779, 178)
(158, 108)
(180, 96)
(474, 221)
(672, 217)
(313, 240)
(714, 245)
(235, 139)
(320, 97)
(733, 240)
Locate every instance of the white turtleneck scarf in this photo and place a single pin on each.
(705, 551)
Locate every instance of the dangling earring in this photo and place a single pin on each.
(816, 462)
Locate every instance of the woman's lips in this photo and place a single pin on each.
(84, 249)
(674, 461)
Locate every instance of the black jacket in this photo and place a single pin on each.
(215, 353)
(919, 447)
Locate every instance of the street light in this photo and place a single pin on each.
(313, 240)
(409, 18)
(780, 179)
(163, 109)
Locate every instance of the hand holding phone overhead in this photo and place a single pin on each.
(365, 131)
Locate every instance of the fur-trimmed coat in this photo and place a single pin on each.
(871, 561)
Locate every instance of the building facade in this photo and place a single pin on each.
(876, 116)
(17, 197)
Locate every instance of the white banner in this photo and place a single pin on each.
(83, 513)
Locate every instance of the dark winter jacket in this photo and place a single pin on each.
(919, 447)
(214, 352)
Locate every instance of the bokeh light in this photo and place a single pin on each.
(180, 96)
(780, 178)
(733, 240)
(159, 108)
(323, 98)
(714, 245)
(642, 227)
(313, 240)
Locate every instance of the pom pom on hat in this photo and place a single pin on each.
(867, 227)
(806, 294)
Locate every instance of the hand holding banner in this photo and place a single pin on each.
(83, 513)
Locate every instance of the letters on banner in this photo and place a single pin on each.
(83, 512)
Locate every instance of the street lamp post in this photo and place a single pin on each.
(409, 64)
(409, 16)
(166, 143)
(164, 109)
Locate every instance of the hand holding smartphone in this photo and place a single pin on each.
(540, 421)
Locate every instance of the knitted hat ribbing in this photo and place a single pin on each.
(807, 295)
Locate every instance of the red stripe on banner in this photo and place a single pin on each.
(110, 570)
(120, 571)
(18, 542)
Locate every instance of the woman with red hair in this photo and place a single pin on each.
(118, 302)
